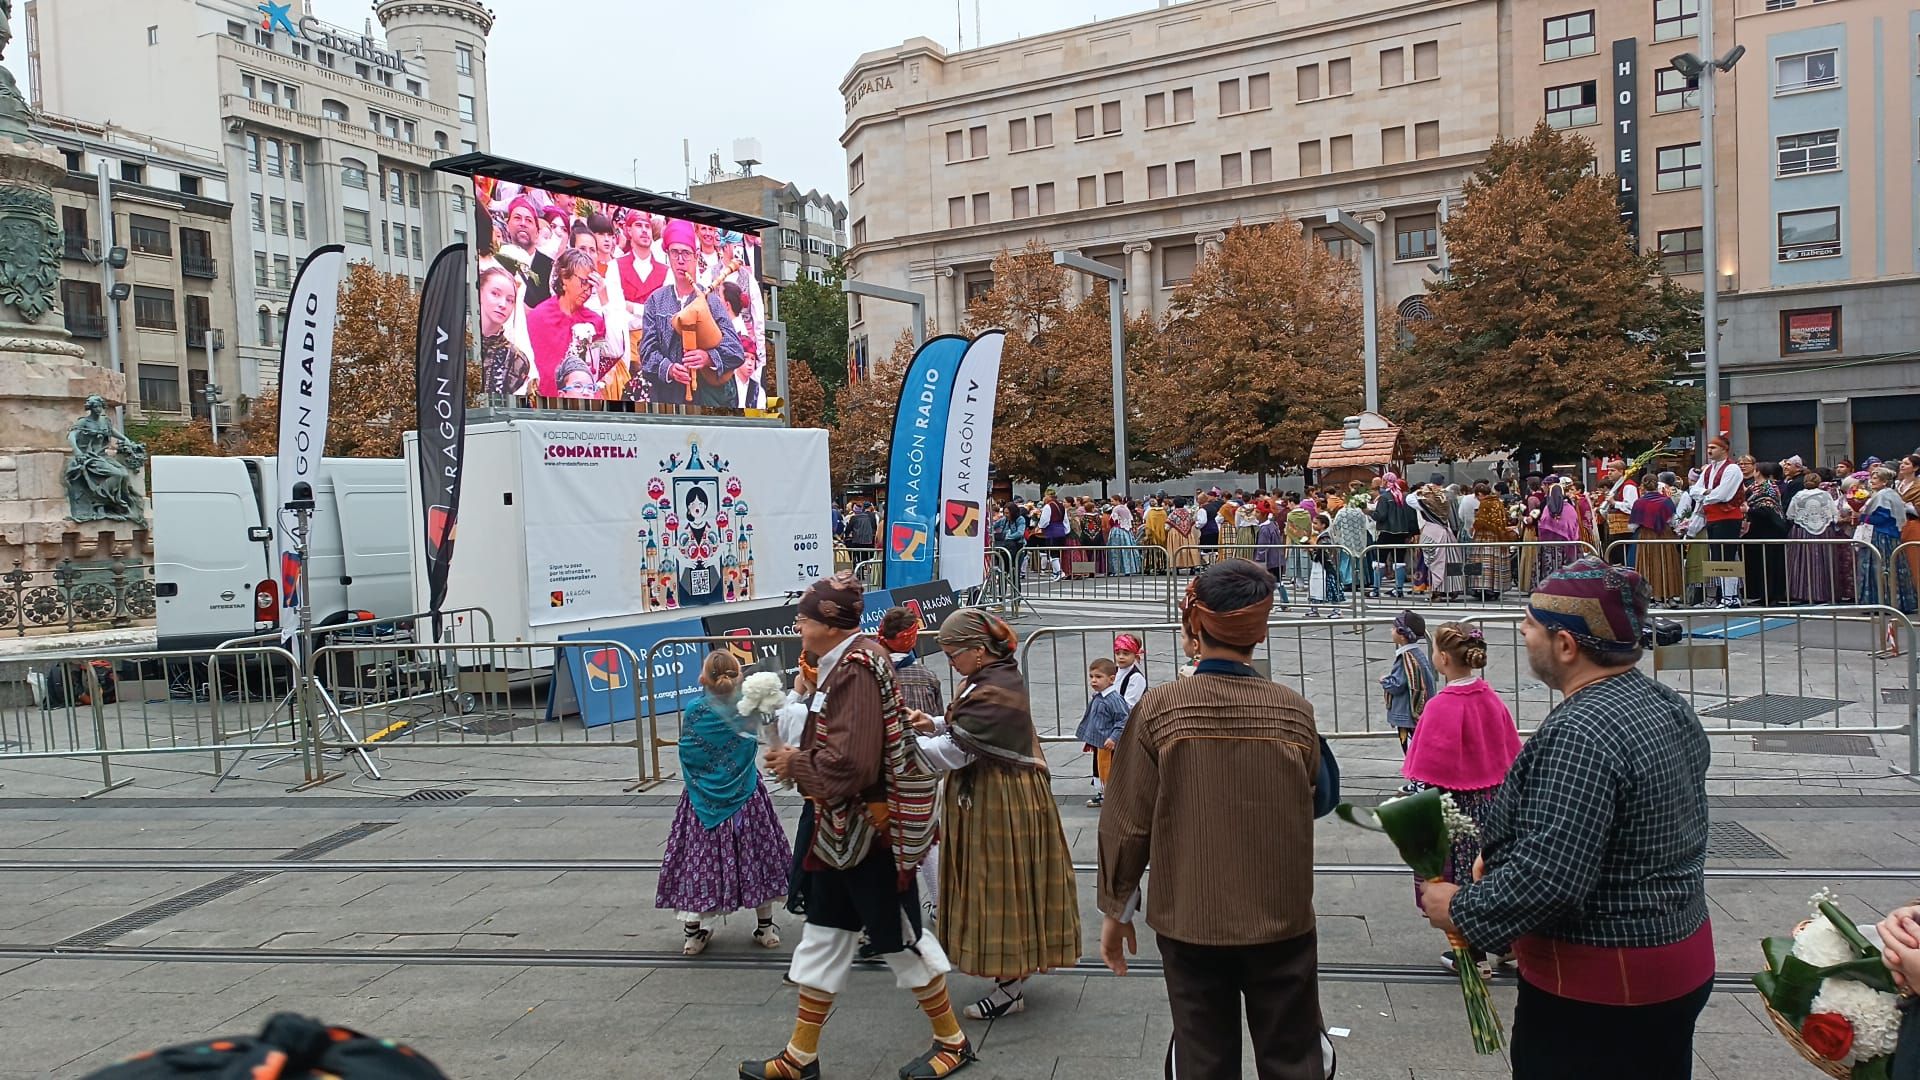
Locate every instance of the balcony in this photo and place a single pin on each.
(78, 247)
(83, 325)
(196, 337)
(200, 266)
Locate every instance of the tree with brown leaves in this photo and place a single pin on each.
(1262, 352)
(806, 395)
(1552, 333)
(862, 430)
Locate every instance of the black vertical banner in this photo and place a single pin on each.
(1626, 133)
(441, 398)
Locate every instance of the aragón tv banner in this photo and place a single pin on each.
(628, 519)
(914, 462)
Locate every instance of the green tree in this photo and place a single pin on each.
(816, 317)
(1551, 333)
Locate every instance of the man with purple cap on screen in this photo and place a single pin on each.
(1594, 849)
(671, 368)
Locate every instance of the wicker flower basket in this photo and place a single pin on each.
(1792, 1035)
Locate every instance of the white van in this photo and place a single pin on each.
(213, 525)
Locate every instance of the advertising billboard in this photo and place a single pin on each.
(588, 300)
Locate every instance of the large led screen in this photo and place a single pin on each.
(587, 300)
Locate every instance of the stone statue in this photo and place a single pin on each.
(14, 112)
(101, 475)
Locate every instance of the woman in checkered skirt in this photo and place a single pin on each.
(1007, 904)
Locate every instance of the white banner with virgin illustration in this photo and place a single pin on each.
(630, 519)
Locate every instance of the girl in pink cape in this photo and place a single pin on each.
(1466, 740)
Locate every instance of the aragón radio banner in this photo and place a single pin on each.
(963, 464)
(913, 463)
(441, 401)
(627, 519)
(306, 385)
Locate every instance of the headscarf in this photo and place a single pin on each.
(1127, 643)
(838, 601)
(679, 232)
(290, 1047)
(1242, 629)
(1411, 625)
(904, 641)
(975, 628)
(1599, 604)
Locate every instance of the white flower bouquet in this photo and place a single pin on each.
(762, 694)
(1830, 995)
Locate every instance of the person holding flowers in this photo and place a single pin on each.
(1595, 849)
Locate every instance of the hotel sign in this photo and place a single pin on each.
(1626, 133)
(360, 47)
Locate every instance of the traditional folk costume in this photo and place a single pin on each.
(1467, 742)
(726, 851)
(919, 689)
(1491, 527)
(1559, 532)
(1008, 907)
(1810, 570)
(1721, 495)
(1223, 761)
(1409, 683)
(1183, 544)
(866, 826)
(1439, 555)
(1124, 561)
(1657, 556)
(1909, 560)
(1618, 517)
(1102, 722)
(1594, 848)
(1766, 563)
(1153, 528)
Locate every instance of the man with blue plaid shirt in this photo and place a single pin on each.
(1594, 850)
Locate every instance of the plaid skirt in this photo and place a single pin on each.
(1007, 903)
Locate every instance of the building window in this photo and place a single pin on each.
(1393, 67)
(199, 314)
(236, 30)
(325, 59)
(253, 152)
(1813, 152)
(277, 214)
(153, 35)
(301, 50)
(263, 324)
(1416, 236)
(1339, 77)
(260, 278)
(1089, 189)
(416, 246)
(1260, 165)
(1083, 123)
(457, 201)
(149, 235)
(1307, 82)
(956, 146)
(160, 388)
(75, 161)
(353, 174)
(1231, 173)
(133, 172)
(1678, 167)
(408, 131)
(463, 59)
(1426, 139)
(275, 160)
(1809, 234)
(413, 190)
(982, 208)
(259, 214)
(356, 226)
(1259, 92)
(466, 108)
(263, 38)
(1022, 202)
(293, 97)
(282, 272)
(1572, 105)
(1175, 107)
(1806, 71)
(153, 308)
(1681, 251)
(362, 71)
(1109, 118)
(856, 173)
(1340, 153)
(957, 212)
(189, 185)
(1336, 244)
(300, 221)
(333, 110)
(1043, 198)
(1177, 263)
(1156, 181)
(1116, 188)
(1810, 330)
(1229, 97)
(296, 169)
(1310, 158)
(1673, 91)
(399, 240)
(396, 188)
(1393, 145)
(1426, 61)
(1673, 19)
(413, 87)
(386, 78)
(1570, 35)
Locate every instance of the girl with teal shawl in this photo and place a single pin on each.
(727, 851)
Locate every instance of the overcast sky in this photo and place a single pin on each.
(782, 89)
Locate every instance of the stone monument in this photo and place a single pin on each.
(46, 382)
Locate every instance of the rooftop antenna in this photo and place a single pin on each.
(959, 28)
(978, 40)
(686, 162)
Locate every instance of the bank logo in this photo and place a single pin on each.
(277, 17)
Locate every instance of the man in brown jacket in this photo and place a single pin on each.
(1213, 786)
(855, 866)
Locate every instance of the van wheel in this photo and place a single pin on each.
(466, 703)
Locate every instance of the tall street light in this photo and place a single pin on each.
(1114, 281)
(917, 301)
(1703, 71)
(1350, 227)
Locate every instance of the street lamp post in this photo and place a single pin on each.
(917, 301)
(1118, 324)
(1703, 71)
(1350, 227)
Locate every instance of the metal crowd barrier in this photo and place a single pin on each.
(1123, 574)
(1772, 572)
(109, 705)
(846, 558)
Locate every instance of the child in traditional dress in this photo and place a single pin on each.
(1100, 727)
(1411, 681)
(726, 851)
(1130, 675)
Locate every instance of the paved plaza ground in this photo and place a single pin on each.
(627, 1005)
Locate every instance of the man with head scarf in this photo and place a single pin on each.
(677, 374)
(1594, 849)
(1223, 761)
(865, 829)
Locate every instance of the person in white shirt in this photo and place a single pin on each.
(1720, 494)
(1616, 511)
(1132, 673)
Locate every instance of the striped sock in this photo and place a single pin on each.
(939, 1009)
(812, 1013)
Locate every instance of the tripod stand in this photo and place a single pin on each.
(307, 696)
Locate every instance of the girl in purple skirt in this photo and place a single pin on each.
(727, 851)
